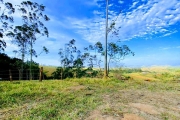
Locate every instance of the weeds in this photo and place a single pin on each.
(64, 100)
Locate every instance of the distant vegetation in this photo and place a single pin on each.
(53, 72)
(14, 64)
(76, 63)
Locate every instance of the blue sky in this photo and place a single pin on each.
(151, 28)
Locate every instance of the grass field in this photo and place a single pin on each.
(146, 95)
(49, 70)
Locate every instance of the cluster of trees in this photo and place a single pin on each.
(25, 34)
(74, 62)
(87, 63)
(13, 65)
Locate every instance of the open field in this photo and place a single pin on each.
(146, 95)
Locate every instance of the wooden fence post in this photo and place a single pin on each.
(27, 75)
(19, 74)
(61, 73)
(10, 75)
(41, 74)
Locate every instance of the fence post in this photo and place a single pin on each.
(27, 74)
(41, 74)
(10, 75)
(61, 73)
(19, 74)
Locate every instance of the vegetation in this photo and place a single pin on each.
(5, 18)
(75, 63)
(14, 64)
(79, 91)
(91, 97)
(25, 35)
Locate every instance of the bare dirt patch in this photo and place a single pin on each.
(98, 115)
(138, 105)
(132, 117)
(144, 107)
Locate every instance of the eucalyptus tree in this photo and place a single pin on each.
(20, 37)
(106, 37)
(93, 54)
(71, 60)
(6, 9)
(116, 52)
(67, 54)
(32, 28)
(114, 32)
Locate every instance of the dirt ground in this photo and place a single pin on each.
(138, 105)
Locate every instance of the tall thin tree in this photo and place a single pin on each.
(32, 15)
(106, 36)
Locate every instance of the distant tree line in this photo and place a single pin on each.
(8, 64)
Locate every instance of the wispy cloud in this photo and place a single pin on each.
(168, 48)
(121, 1)
(141, 20)
(150, 18)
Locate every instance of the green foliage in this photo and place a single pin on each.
(25, 35)
(5, 18)
(63, 73)
(32, 28)
(72, 63)
(14, 64)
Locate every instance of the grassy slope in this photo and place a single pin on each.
(49, 70)
(77, 98)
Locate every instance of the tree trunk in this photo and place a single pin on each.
(10, 76)
(106, 35)
(30, 62)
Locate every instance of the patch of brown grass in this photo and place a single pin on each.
(142, 76)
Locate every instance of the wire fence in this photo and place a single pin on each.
(19, 74)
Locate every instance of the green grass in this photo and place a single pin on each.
(68, 99)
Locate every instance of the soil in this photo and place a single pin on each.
(138, 105)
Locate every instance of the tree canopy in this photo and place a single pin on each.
(6, 19)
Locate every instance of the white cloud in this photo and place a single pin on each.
(166, 48)
(95, 12)
(151, 18)
(134, 4)
(121, 1)
(148, 19)
(91, 30)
